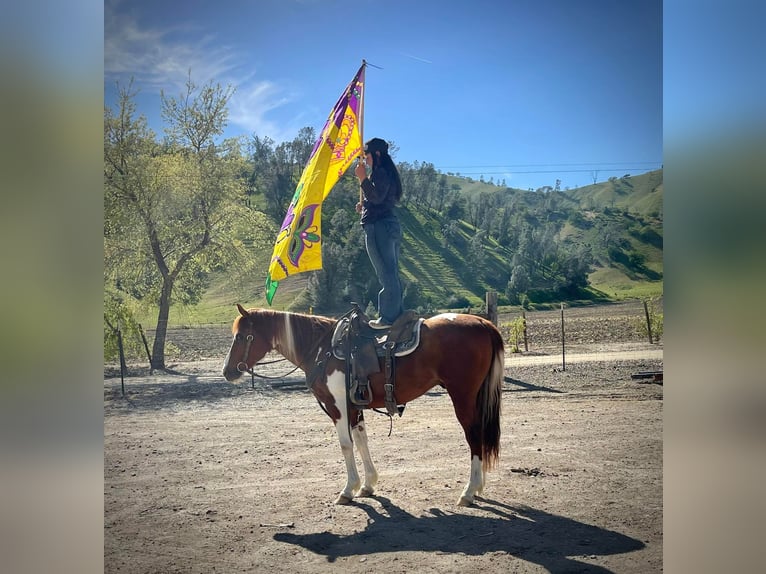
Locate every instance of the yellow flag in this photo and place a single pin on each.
(298, 247)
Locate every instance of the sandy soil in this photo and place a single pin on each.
(205, 476)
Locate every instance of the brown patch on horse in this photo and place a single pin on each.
(464, 354)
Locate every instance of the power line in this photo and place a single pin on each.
(508, 165)
(515, 171)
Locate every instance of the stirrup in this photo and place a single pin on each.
(379, 324)
(361, 394)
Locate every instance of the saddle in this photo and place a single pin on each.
(364, 348)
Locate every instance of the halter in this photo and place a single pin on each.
(242, 365)
(243, 368)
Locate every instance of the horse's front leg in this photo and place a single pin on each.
(336, 383)
(359, 434)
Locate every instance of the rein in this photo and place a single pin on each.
(243, 368)
(319, 364)
(253, 374)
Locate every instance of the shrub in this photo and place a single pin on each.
(656, 320)
(457, 302)
(117, 315)
(516, 333)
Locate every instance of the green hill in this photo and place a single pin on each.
(619, 221)
(640, 194)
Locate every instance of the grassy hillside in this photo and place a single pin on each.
(440, 266)
(625, 212)
(631, 208)
(638, 194)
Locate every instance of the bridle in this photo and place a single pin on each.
(242, 365)
(243, 368)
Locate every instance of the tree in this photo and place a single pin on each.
(456, 206)
(427, 182)
(325, 285)
(518, 284)
(277, 170)
(441, 192)
(476, 253)
(173, 211)
(450, 232)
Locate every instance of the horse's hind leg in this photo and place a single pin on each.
(336, 383)
(475, 483)
(359, 433)
(468, 416)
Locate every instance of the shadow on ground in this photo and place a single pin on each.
(554, 542)
(525, 386)
(176, 390)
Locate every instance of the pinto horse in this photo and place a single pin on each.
(462, 353)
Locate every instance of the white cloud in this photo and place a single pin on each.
(161, 59)
(250, 106)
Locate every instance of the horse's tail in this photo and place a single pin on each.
(489, 403)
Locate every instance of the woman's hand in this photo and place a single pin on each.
(359, 207)
(360, 171)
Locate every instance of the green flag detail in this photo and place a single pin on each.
(271, 288)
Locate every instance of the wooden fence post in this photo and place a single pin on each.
(648, 322)
(491, 298)
(563, 351)
(524, 322)
(146, 345)
(122, 358)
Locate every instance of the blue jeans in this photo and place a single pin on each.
(383, 240)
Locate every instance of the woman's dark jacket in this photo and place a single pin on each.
(381, 192)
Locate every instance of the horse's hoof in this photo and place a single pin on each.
(366, 491)
(465, 501)
(343, 499)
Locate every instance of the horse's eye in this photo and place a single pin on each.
(239, 337)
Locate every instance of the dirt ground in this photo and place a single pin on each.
(201, 475)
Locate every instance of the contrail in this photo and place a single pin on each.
(416, 58)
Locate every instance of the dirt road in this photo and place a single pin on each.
(205, 476)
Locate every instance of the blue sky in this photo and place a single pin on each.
(526, 91)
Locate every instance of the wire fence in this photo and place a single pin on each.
(624, 322)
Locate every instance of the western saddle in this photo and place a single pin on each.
(364, 349)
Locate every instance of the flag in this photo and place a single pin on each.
(298, 246)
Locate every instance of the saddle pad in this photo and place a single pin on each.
(402, 348)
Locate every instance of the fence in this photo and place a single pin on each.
(623, 322)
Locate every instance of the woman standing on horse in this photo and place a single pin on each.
(381, 190)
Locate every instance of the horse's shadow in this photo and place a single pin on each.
(172, 388)
(527, 533)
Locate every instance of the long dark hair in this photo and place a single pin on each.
(384, 160)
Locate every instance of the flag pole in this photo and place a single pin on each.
(361, 122)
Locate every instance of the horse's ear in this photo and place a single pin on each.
(242, 310)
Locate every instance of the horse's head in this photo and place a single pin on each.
(249, 345)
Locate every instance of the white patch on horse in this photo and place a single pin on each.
(228, 356)
(359, 434)
(447, 316)
(288, 346)
(336, 384)
(475, 483)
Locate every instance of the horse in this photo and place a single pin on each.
(462, 353)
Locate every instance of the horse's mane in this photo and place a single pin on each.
(305, 331)
(308, 330)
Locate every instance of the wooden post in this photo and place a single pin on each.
(563, 347)
(146, 345)
(648, 322)
(491, 298)
(524, 321)
(122, 359)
